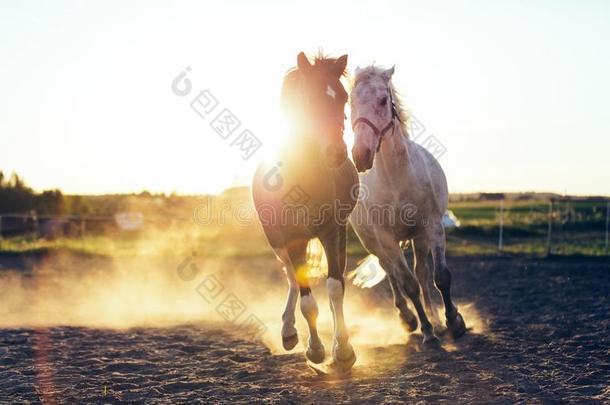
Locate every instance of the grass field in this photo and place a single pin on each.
(578, 228)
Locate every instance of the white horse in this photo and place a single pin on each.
(404, 198)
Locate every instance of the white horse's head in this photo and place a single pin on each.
(374, 112)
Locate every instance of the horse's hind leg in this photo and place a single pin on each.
(392, 258)
(407, 319)
(421, 250)
(289, 332)
(309, 307)
(410, 288)
(442, 279)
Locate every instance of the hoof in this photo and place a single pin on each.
(315, 355)
(345, 362)
(343, 365)
(431, 342)
(289, 342)
(411, 325)
(457, 327)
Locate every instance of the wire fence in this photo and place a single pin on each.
(544, 227)
(551, 227)
(56, 226)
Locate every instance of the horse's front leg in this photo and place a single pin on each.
(309, 309)
(294, 258)
(334, 243)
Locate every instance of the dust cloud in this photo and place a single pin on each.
(63, 290)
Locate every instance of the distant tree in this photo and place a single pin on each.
(77, 205)
(17, 182)
(17, 197)
(50, 202)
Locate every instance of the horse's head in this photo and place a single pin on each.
(314, 99)
(373, 113)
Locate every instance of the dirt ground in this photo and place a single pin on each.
(543, 336)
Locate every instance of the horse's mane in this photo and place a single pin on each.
(325, 62)
(364, 75)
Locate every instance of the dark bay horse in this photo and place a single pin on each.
(310, 193)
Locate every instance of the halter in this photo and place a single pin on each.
(380, 133)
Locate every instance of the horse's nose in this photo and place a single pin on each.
(363, 159)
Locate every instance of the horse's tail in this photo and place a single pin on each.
(405, 245)
(316, 259)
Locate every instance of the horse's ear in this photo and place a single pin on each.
(387, 75)
(303, 63)
(339, 66)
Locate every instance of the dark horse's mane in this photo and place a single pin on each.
(289, 99)
(320, 61)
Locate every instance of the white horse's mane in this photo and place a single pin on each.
(364, 75)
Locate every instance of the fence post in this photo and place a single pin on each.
(82, 227)
(607, 223)
(549, 228)
(35, 224)
(501, 225)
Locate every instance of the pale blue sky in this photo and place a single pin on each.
(516, 91)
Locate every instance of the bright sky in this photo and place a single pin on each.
(517, 91)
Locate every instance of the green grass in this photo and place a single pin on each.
(578, 229)
(92, 245)
(169, 243)
(130, 247)
(531, 214)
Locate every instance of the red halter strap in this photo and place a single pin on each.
(380, 133)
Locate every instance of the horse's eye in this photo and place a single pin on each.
(383, 101)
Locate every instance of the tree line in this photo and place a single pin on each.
(17, 197)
